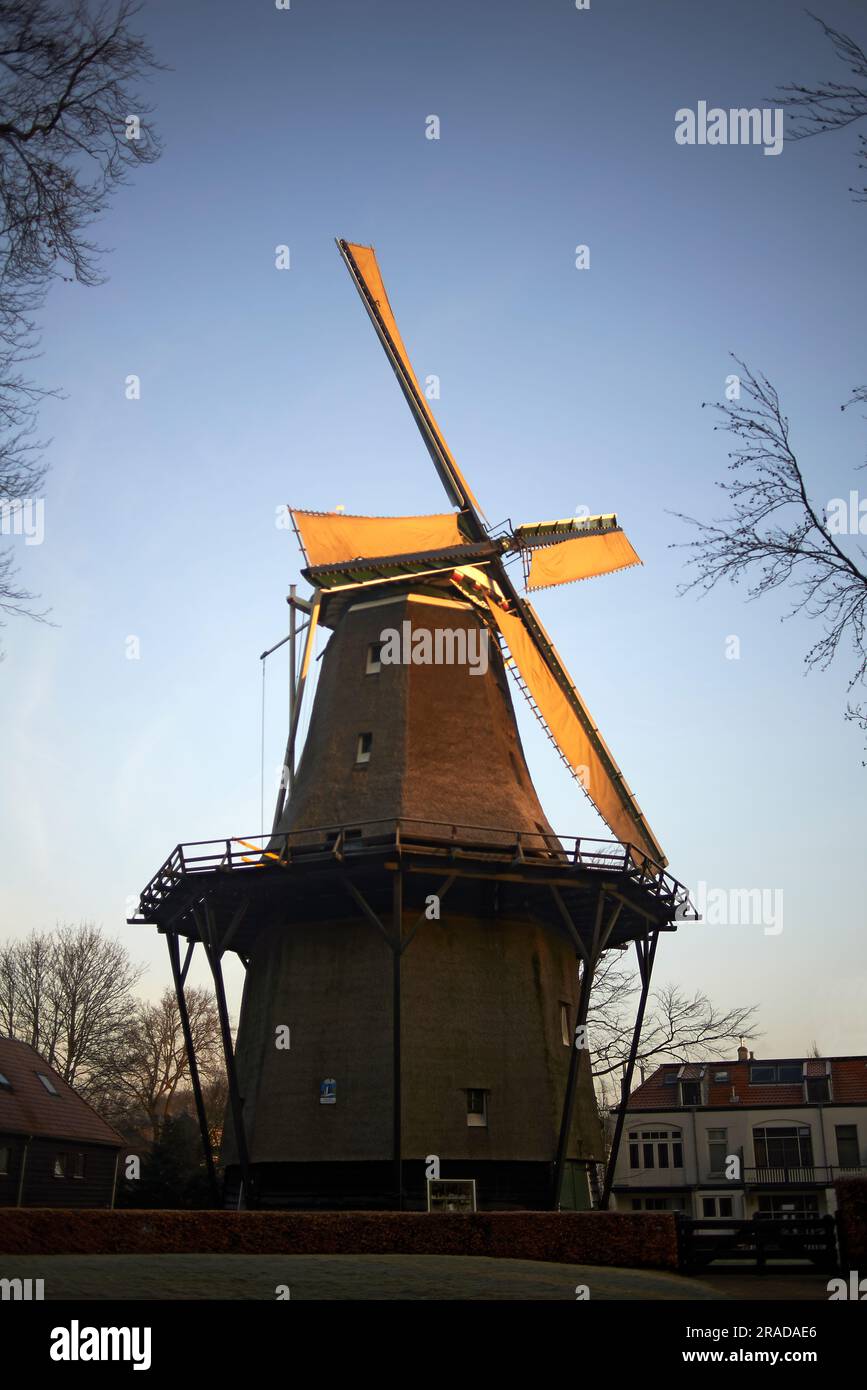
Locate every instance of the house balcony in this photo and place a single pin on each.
(800, 1175)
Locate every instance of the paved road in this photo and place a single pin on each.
(340, 1277)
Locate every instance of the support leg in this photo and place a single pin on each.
(397, 934)
(236, 1104)
(179, 975)
(646, 952)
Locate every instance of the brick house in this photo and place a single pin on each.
(55, 1151)
(792, 1125)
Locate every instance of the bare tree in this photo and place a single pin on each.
(68, 994)
(777, 536)
(833, 105)
(71, 129)
(151, 1066)
(677, 1026)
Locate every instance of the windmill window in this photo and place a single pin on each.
(80, 1166)
(363, 747)
(374, 659)
(48, 1084)
(60, 1165)
(4, 1161)
(477, 1109)
(564, 1025)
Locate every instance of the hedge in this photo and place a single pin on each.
(641, 1241)
(852, 1221)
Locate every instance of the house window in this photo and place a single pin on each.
(690, 1093)
(48, 1084)
(847, 1146)
(4, 1161)
(776, 1074)
(374, 659)
(60, 1165)
(5, 1083)
(363, 747)
(564, 1025)
(717, 1148)
(477, 1109)
(720, 1076)
(655, 1148)
(792, 1207)
(80, 1166)
(789, 1146)
(716, 1206)
(818, 1088)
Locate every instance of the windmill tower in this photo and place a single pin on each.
(419, 944)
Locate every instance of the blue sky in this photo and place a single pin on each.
(559, 389)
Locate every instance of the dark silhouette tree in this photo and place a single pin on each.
(71, 129)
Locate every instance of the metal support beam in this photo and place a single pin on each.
(646, 952)
(208, 935)
(179, 974)
(601, 934)
(423, 917)
(397, 952)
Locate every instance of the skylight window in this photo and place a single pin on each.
(48, 1084)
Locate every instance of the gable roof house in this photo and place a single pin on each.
(55, 1150)
(744, 1138)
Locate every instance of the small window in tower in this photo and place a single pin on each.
(374, 659)
(477, 1108)
(564, 1025)
(362, 751)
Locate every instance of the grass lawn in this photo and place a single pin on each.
(352, 1277)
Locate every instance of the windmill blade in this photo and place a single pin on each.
(363, 267)
(581, 557)
(329, 538)
(572, 727)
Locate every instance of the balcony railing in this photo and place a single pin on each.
(799, 1175)
(530, 850)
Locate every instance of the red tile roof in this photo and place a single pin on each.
(28, 1108)
(848, 1084)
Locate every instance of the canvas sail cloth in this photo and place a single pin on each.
(367, 269)
(580, 557)
(332, 538)
(586, 754)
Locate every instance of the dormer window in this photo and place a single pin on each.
(690, 1093)
(362, 749)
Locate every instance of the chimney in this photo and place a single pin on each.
(743, 1055)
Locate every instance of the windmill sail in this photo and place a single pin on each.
(580, 557)
(573, 728)
(362, 264)
(329, 538)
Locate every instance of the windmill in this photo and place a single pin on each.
(458, 552)
(413, 928)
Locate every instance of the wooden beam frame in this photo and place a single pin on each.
(646, 952)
